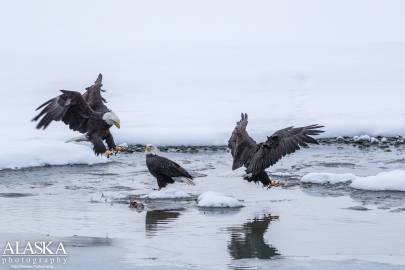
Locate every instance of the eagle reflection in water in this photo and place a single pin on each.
(247, 241)
(158, 219)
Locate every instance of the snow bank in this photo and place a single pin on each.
(168, 193)
(32, 154)
(216, 200)
(186, 81)
(392, 181)
(327, 178)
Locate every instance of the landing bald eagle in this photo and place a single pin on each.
(85, 113)
(164, 170)
(258, 157)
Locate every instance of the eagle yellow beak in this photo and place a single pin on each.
(117, 124)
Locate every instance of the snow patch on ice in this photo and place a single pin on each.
(168, 193)
(330, 178)
(216, 199)
(393, 181)
(384, 181)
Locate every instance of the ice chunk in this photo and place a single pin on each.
(215, 199)
(331, 178)
(393, 180)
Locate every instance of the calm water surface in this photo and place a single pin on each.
(295, 226)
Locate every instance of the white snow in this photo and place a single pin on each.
(362, 138)
(181, 73)
(216, 199)
(392, 180)
(330, 178)
(168, 193)
(39, 153)
(366, 138)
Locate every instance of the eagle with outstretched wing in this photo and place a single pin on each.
(85, 113)
(258, 157)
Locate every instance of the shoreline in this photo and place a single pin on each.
(361, 142)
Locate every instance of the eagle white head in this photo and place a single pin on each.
(151, 149)
(112, 119)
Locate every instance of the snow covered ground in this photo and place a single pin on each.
(181, 72)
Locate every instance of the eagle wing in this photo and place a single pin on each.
(70, 107)
(93, 96)
(164, 166)
(241, 144)
(282, 142)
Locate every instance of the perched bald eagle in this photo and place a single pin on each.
(85, 113)
(165, 170)
(258, 157)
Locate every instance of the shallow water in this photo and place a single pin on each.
(295, 226)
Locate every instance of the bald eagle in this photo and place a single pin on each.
(164, 170)
(85, 113)
(258, 157)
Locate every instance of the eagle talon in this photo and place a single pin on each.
(273, 183)
(108, 153)
(118, 149)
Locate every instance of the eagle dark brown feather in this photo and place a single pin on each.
(69, 107)
(93, 96)
(241, 144)
(82, 113)
(257, 157)
(281, 143)
(164, 169)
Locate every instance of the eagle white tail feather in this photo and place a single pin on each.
(189, 181)
(81, 138)
(186, 180)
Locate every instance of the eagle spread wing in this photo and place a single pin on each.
(70, 107)
(163, 166)
(241, 144)
(93, 96)
(281, 143)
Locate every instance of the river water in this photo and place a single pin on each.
(294, 226)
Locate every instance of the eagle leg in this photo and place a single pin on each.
(263, 178)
